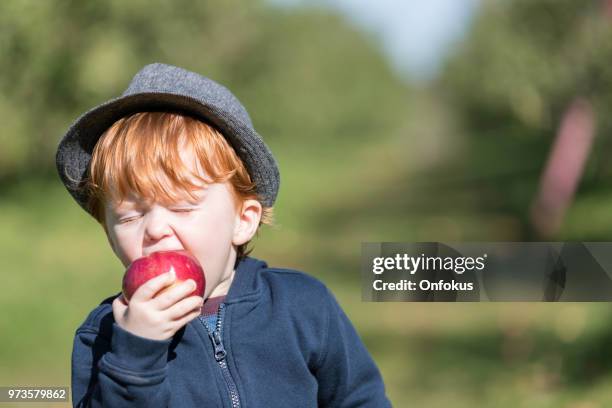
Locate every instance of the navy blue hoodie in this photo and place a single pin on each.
(281, 340)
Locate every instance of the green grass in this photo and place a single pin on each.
(58, 266)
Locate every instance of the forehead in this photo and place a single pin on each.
(190, 160)
(134, 201)
(166, 183)
(161, 157)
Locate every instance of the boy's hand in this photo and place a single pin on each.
(158, 317)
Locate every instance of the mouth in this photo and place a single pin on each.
(151, 251)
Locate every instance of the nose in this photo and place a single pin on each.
(157, 226)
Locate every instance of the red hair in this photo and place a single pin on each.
(139, 154)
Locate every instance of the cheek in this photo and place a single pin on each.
(125, 244)
(213, 230)
(209, 238)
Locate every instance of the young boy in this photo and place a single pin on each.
(175, 164)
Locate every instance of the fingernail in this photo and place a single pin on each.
(172, 273)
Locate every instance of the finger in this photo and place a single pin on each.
(173, 294)
(148, 290)
(186, 319)
(121, 298)
(184, 307)
(119, 306)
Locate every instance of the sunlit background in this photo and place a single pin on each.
(445, 120)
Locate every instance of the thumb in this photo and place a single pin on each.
(119, 306)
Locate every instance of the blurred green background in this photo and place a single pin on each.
(365, 154)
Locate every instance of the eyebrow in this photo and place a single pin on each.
(120, 209)
(125, 204)
(133, 205)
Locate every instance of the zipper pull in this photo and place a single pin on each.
(220, 352)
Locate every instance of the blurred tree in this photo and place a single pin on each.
(511, 81)
(308, 79)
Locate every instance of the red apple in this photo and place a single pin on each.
(185, 266)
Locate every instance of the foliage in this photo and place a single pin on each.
(62, 57)
(363, 157)
(510, 82)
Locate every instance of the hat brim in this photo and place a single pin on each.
(75, 149)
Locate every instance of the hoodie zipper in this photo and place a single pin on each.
(220, 354)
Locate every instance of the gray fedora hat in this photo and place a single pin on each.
(161, 87)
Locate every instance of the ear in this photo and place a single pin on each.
(247, 221)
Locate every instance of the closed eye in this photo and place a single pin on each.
(129, 219)
(182, 210)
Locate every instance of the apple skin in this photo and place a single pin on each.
(143, 269)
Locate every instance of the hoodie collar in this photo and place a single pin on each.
(245, 286)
